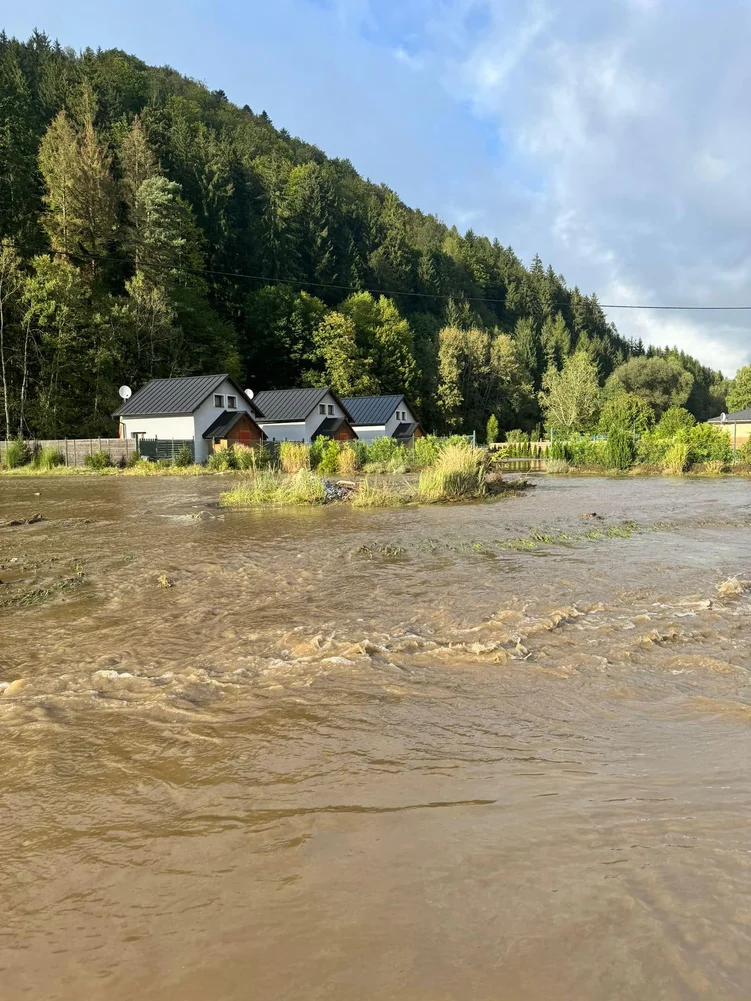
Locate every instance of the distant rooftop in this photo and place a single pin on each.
(165, 397)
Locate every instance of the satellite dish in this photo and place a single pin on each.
(249, 393)
(125, 392)
(723, 417)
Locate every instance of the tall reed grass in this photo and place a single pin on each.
(294, 456)
(265, 487)
(459, 473)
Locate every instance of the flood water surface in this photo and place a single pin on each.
(478, 752)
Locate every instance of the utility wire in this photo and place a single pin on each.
(78, 258)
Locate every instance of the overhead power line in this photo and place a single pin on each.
(187, 269)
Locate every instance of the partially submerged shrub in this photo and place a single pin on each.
(557, 466)
(47, 458)
(98, 460)
(316, 450)
(677, 458)
(17, 454)
(295, 455)
(619, 449)
(459, 472)
(245, 456)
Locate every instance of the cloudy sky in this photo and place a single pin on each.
(613, 138)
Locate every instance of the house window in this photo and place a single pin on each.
(321, 408)
(331, 410)
(218, 400)
(231, 403)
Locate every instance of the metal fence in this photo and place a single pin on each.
(155, 449)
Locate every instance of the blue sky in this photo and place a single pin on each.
(611, 138)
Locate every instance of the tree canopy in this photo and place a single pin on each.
(150, 228)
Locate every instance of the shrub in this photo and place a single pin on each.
(425, 451)
(382, 449)
(133, 459)
(459, 472)
(222, 459)
(329, 461)
(709, 443)
(295, 455)
(162, 464)
(361, 451)
(16, 454)
(347, 461)
(516, 435)
(98, 460)
(316, 450)
(491, 431)
(674, 420)
(558, 450)
(677, 458)
(556, 466)
(651, 448)
(245, 456)
(458, 439)
(619, 449)
(184, 457)
(48, 458)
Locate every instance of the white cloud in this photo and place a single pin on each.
(632, 119)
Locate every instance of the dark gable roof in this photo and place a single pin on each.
(164, 397)
(405, 430)
(367, 410)
(739, 417)
(288, 405)
(225, 422)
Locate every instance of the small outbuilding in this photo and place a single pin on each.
(303, 414)
(383, 417)
(204, 409)
(738, 425)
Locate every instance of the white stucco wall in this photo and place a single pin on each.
(314, 420)
(159, 427)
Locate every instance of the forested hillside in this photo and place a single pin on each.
(152, 228)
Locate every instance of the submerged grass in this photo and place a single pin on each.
(265, 487)
(380, 493)
(459, 473)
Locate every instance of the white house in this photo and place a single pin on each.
(303, 414)
(383, 417)
(203, 409)
(738, 425)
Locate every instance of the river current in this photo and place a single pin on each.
(496, 751)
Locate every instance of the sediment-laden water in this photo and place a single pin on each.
(482, 752)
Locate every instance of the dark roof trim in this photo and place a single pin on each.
(406, 430)
(329, 426)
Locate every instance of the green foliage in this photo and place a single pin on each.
(516, 435)
(619, 449)
(265, 487)
(739, 391)
(316, 450)
(295, 455)
(660, 382)
(222, 459)
(48, 458)
(425, 451)
(491, 430)
(360, 450)
(625, 411)
(677, 458)
(459, 473)
(383, 450)
(708, 443)
(17, 454)
(570, 399)
(184, 457)
(329, 461)
(674, 419)
(98, 460)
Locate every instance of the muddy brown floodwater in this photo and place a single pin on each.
(482, 752)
